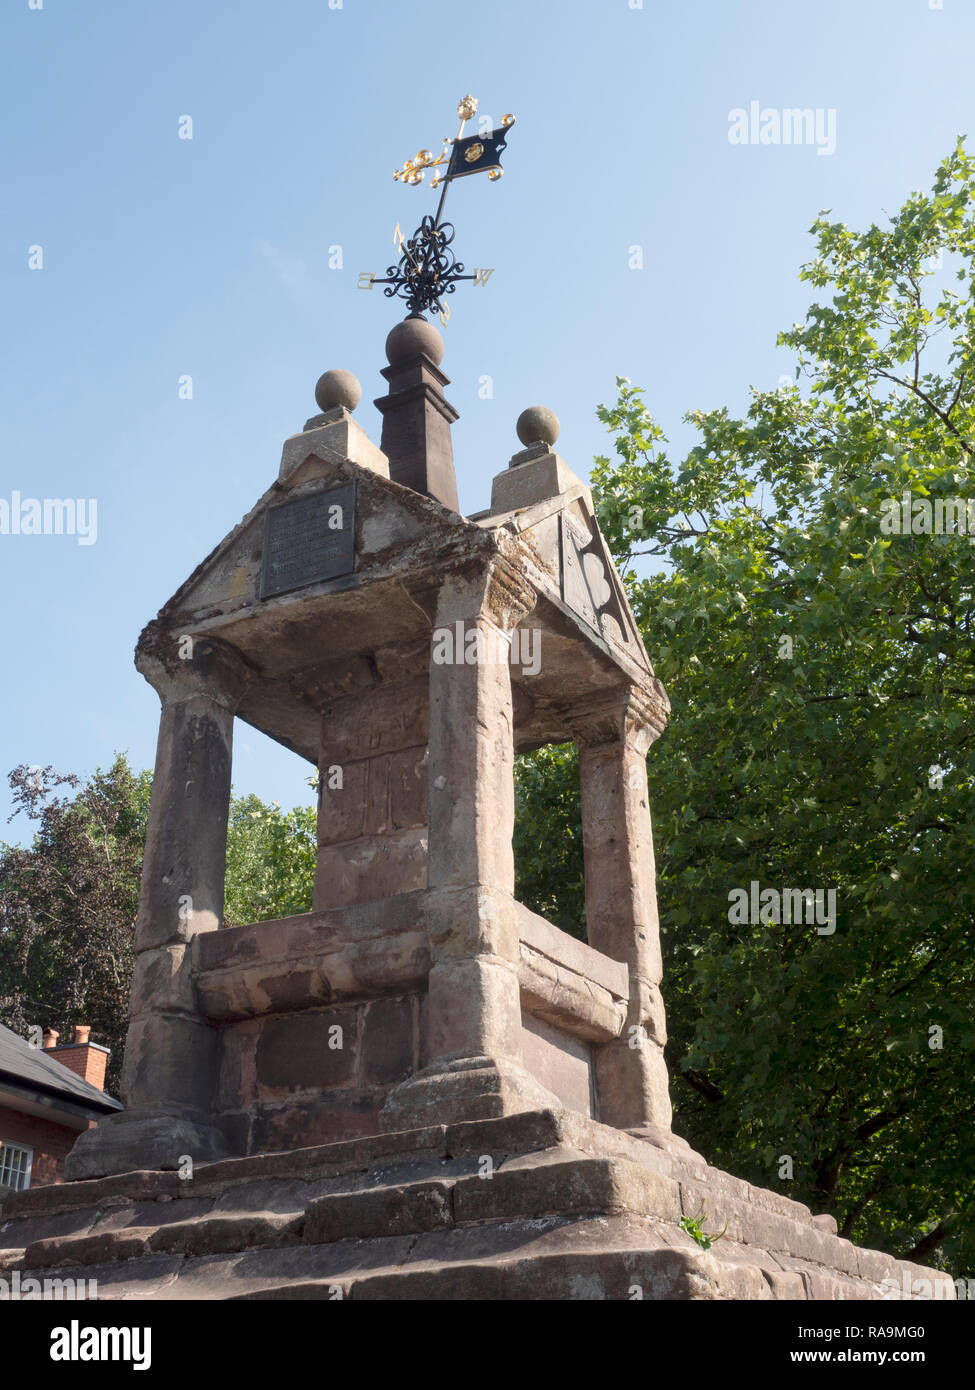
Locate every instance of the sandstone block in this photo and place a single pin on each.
(390, 1211)
(87, 1250)
(313, 1051)
(577, 1185)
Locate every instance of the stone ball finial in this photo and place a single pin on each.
(338, 388)
(538, 425)
(413, 336)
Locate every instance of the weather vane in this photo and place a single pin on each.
(427, 270)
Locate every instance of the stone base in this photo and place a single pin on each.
(143, 1138)
(539, 1205)
(466, 1088)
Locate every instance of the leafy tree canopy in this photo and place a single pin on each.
(68, 901)
(822, 675)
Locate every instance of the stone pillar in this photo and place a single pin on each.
(416, 415)
(471, 1065)
(169, 1075)
(621, 903)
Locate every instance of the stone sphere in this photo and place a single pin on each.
(538, 425)
(338, 388)
(413, 336)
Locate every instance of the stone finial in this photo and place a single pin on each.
(337, 387)
(413, 336)
(537, 425)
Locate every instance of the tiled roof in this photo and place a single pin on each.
(32, 1067)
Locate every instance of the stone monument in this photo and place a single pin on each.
(419, 1088)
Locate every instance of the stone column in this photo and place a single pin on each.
(169, 1075)
(471, 1064)
(621, 903)
(416, 415)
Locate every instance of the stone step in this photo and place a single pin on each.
(515, 1134)
(203, 1236)
(485, 1197)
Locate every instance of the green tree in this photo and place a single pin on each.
(822, 675)
(270, 860)
(68, 901)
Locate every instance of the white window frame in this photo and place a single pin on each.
(9, 1148)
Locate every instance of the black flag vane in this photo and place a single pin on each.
(427, 270)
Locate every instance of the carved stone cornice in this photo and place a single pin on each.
(473, 587)
(182, 667)
(636, 716)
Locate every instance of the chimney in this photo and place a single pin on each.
(416, 416)
(50, 1039)
(86, 1059)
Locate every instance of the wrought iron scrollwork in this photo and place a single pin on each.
(427, 270)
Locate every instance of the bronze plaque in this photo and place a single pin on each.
(309, 540)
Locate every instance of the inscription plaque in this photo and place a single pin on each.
(309, 540)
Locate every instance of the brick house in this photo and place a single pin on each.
(48, 1096)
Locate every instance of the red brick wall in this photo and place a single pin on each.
(49, 1141)
(87, 1062)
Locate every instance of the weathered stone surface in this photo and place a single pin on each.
(552, 1221)
(390, 1042)
(342, 810)
(345, 1114)
(633, 1082)
(218, 1234)
(339, 439)
(571, 954)
(316, 962)
(140, 1138)
(371, 868)
(86, 1250)
(621, 904)
(464, 1088)
(578, 1185)
(562, 1063)
(520, 1133)
(664, 1274)
(408, 788)
(532, 481)
(391, 718)
(393, 1211)
(307, 1051)
(567, 1000)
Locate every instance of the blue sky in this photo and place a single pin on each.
(209, 257)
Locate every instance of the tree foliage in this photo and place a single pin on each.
(68, 901)
(841, 757)
(270, 860)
